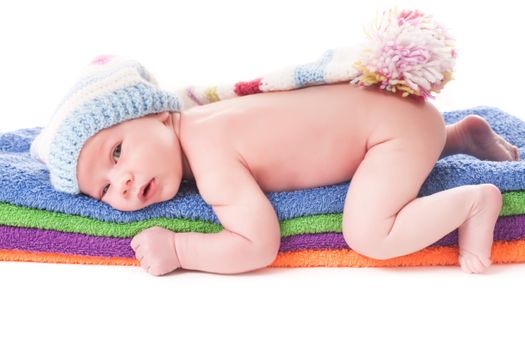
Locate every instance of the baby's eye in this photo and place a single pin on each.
(116, 152)
(104, 190)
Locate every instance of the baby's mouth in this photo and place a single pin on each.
(148, 190)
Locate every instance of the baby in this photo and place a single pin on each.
(134, 154)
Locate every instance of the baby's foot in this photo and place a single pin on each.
(482, 142)
(477, 233)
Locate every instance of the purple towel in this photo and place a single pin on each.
(29, 239)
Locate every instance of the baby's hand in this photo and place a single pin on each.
(155, 249)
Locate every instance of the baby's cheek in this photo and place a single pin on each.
(168, 189)
(175, 186)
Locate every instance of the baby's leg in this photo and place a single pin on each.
(384, 219)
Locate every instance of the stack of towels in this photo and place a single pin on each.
(41, 225)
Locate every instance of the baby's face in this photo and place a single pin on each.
(132, 164)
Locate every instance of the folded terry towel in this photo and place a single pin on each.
(297, 234)
(40, 224)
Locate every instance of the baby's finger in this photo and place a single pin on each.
(139, 255)
(135, 242)
(145, 263)
(135, 246)
(157, 270)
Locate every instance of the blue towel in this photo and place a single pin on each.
(24, 181)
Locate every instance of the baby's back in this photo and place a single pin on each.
(292, 139)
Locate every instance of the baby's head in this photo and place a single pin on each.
(133, 164)
(114, 137)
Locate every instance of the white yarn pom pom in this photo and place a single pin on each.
(408, 53)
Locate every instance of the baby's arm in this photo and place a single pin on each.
(251, 235)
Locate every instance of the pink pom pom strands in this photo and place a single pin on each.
(408, 52)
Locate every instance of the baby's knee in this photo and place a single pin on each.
(488, 193)
(366, 244)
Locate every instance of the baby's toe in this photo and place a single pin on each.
(477, 265)
(516, 153)
(485, 261)
(473, 264)
(464, 262)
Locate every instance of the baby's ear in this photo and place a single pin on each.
(164, 117)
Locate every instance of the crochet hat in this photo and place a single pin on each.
(112, 90)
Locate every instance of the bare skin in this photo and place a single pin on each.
(474, 136)
(235, 150)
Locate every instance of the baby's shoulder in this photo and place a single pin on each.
(213, 161)
(204, 142)
(220, 181)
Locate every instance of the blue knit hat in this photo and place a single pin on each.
(111, 91)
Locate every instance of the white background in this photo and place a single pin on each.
(50, 306)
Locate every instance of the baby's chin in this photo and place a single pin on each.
(134, 207)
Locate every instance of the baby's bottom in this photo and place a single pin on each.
(384, 219)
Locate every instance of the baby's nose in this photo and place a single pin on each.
(126, 182)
